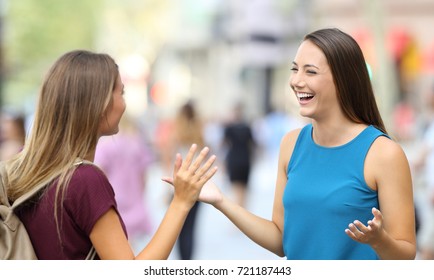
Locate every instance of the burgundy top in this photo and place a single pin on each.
(89, 196)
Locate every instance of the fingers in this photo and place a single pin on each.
(178, 163)
(376, 223)
(202, 173)
(358, 229)
(189, 157)
(356, 232)
(377, 214)
(195, 166)
(193, 169)
(198, 161)
(203, 179)
(361, 233)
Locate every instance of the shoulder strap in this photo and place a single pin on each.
(32, 192)
(5, 201)
(21, 199)
(43, 184)
(37, 188)
(92, 255)
(79, 161)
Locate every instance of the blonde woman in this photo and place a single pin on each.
(81, 100)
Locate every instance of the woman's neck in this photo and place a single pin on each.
(90, 156)
(332, 134)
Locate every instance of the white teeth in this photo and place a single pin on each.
(304, 95)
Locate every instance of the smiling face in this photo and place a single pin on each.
(312, 82)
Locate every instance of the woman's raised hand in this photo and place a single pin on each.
(211, 194)
(191, 174)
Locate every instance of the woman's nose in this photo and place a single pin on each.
(296, 80)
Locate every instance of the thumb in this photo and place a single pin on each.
(167, 180)
(377, 214)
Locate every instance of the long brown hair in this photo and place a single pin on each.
(72, 101)
(350, 74)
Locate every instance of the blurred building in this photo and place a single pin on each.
(219, 52)
(2, 11)
(237, 51)
(398, 44)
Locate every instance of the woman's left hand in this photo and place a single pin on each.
(367, 234)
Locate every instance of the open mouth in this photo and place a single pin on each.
(304, 96)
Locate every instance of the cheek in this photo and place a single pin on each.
(326, 87)
(120, 105)
(123, 106)
(290, 83)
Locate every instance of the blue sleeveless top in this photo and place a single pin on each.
(324, 193)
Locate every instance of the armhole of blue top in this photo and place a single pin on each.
(297, 143)
(364, 160)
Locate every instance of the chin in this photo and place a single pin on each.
(110, 132)
(305, 114)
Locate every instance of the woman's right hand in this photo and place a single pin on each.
(211, 194)
(190, 175)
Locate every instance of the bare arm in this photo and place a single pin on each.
(265, 233)
(109, 239)
(391, 233)
(262, 231)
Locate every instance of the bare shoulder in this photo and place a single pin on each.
(386, 162)
(387, 150)
(287, 146)
(289, 139)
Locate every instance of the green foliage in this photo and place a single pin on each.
(36, 33)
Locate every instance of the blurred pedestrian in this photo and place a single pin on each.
(270, 129)
(344, 189)
(238, 138)
(424, 164)
(187, 129)
(81, 99)
(125, 159)
(12, 134)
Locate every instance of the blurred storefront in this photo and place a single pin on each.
(219, 52)
(397, 42)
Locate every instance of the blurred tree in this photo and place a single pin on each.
(1, 52)
(35, 33)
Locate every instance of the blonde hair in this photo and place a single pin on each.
(72, 101)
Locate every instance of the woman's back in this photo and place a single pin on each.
(89, 195)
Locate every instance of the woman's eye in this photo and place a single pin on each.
(294, 69)
(311, 72)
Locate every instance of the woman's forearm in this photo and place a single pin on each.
(161, 244)
(262, 231)
(391, 249)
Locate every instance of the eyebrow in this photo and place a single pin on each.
(306, 65)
